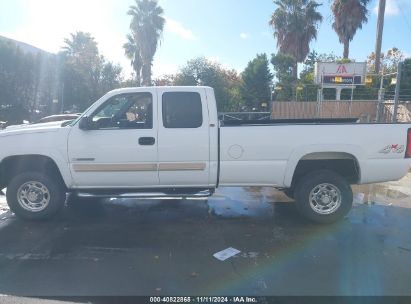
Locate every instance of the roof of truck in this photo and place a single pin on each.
(163, 87)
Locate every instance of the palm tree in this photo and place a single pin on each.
(147, 25)
(349, 15)
(132, 52)
(81, 44)
(295, 24)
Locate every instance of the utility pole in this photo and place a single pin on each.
(397, 92)
(381, 93)
(380, 29)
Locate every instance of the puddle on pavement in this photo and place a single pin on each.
(378, 198)
(4, 208)
(385, 194)
(257, 202)
(134, 203)
(240, 209)
(248, 202)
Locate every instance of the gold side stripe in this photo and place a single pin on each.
(138, 167)
(182, 167)
(114, 168)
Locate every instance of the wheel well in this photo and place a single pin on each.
(13, 165)
(344, 164)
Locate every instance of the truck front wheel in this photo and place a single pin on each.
(35, 196)
(323, 196)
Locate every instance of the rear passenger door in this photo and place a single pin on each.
(183, 138)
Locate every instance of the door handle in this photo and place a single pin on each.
(146, 141)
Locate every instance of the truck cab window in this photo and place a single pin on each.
(182, 110)
(126, 111)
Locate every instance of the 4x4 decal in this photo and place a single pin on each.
(392, 149)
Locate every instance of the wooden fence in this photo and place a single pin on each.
(365, 111)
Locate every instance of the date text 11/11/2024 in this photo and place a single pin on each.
(240, 299)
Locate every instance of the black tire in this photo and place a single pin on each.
(56, 196)
(326, 182)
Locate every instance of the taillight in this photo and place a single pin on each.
(408, 151)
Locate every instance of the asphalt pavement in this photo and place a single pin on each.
(166, 247)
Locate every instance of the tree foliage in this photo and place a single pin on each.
(85, 75)
(257, 83)
(81, 70)
(110, 77)
(349, 16)
(147, 26)
(132, 52)
(165, 80)
(295, 24)
(405, 90)
(283, 70)
(203, 72)
(389, 60)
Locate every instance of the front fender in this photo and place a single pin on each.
(51, 144)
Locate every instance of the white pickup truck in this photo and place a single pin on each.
(168, 141)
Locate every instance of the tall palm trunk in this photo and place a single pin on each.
(346, 49)
(138, 79)
(146, 73)
(295, 71)
(137, 65)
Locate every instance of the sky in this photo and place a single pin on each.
(231, 32)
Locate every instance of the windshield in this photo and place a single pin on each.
(72, 123)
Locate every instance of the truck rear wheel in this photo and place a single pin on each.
(323, 196)
(35, 196)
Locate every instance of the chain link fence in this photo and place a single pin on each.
(366, 111)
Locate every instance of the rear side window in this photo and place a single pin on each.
(182, 110)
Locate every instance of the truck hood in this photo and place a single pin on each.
(32, 128)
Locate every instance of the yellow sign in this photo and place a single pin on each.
(338, 79)
(368, 80)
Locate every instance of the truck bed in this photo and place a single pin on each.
(266, 152)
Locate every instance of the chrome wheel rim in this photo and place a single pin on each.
(33, 196)
(325, 198)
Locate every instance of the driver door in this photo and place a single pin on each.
(121, 149)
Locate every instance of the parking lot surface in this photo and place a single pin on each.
(166, 247)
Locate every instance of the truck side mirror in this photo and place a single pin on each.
(85, 123)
